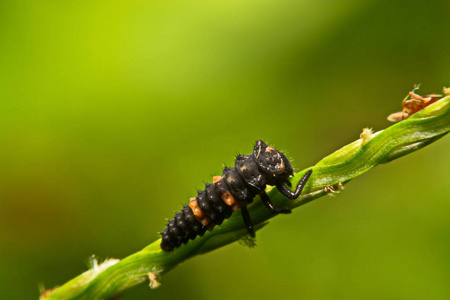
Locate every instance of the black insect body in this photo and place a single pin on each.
(232, 191)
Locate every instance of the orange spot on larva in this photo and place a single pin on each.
(216, 178)
(270, 149)
(228, 199)
(205, 221)
(198, 213)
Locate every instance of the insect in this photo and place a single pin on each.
(232, 191)
(412, 104)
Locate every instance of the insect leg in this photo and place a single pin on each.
(266, 200)
(294, 195)
(248, 222)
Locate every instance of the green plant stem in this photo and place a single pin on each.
(421, 129)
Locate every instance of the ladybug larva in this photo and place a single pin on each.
(232, 191)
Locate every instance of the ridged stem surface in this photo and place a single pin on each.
(421, 129)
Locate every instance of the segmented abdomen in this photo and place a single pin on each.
(228, 193)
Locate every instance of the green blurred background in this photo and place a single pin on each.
(113, 113)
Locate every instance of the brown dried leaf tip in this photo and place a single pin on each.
(414, 103)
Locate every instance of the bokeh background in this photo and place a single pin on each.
(112, 113)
